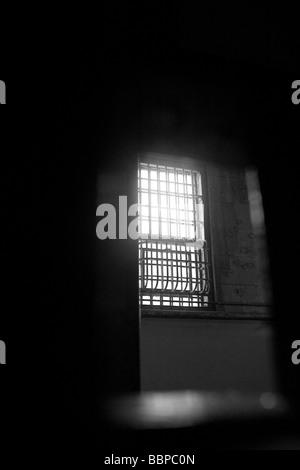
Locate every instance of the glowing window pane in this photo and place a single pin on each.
(154, 212)
(182, 215)
(163, 201)
(173, 230)
(154, 200)
(190, 204)
(183, 231)
(145, 226)
(144, 199)
(163, 213)
(171, 177)
(144, 211)
(169, 209)
(172, 202)
(164, 229)
(153, 174)
(173, 214)
(154, 228)
(153, 184)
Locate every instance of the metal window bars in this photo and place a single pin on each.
(173, 254)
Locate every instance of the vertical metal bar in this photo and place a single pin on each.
(177, 223)
(149, 201)
(142, 261)
(168, 203)
(196, 267)
(185, 204)
(167, 266)
(180, 266)
(195, 200)
(197, 252)
(157, 270)
(159, 205)
(146, 265)
(176, 255)
(212, 255)
(189, 270)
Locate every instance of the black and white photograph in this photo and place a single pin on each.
(150, 241)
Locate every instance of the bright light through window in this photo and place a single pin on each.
(171, 204)
(174, 268)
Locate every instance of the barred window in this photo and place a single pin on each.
(174, 262)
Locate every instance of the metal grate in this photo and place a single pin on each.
(173, 253)
(171, 204)
(173, 275)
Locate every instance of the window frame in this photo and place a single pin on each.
(194, 164)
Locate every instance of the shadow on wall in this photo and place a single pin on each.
(241, 264)
(234, 351)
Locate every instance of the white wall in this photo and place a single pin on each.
(206, 354)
